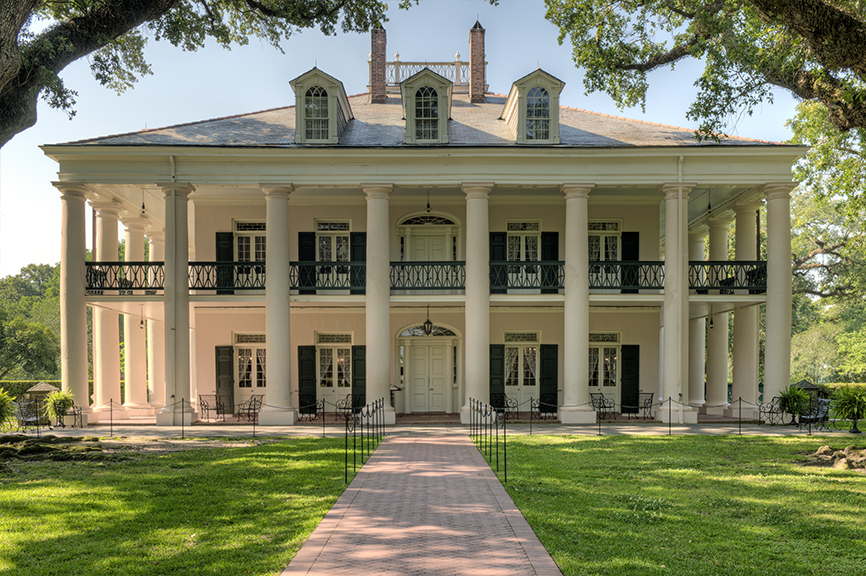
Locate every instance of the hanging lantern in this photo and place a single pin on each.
(428, 326)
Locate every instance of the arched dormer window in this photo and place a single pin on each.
(316, 113)
(538, 114)
(426, 113)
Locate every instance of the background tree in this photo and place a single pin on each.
(113, 34)
(27, 348)
(813, 48)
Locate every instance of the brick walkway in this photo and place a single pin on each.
(424, 504)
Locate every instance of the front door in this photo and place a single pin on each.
(429, 249)
(427, 377)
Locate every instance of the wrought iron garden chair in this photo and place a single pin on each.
(603, 406)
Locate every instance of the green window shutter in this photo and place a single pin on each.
(225, 382)
(549, 377)
(358, 249)
(630, 379)
(306, 253)
(550, 253)
(359, 376)
(498, 253)
(307, 379)
(497, 375)
(225, 253)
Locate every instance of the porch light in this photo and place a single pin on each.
(428, 326)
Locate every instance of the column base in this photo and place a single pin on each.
(689, 415)
(139, 410)
(749, 412)
(579, 415)
(175, 418)
(278, 417)
(69, 421)
(107, 414)
(717, 408)
(390, 416)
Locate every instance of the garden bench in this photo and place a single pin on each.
(206, 403)
(818, 414)
(249, 410)
(644, 406)
(26, 415)
(771, 412)
(603, 406)
(502, 403)
(544, 408)
(310, 408)
(74, 411)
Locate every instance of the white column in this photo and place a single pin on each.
(777, 350)
(746, 320)
(73, 301)
(717, 334)
(106, 328)
(697, 332)
(177, 325)
(378, 296)
(134, 347)
(278, 408)
(155, 329)
(477, 302)
(676, 306)
(575, 353)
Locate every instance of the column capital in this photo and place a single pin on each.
(672, 189)
(377, 190)
(156, 235)
(698, 233)
(72, 189)
(720, 223)
(106, 208)
(778, 190)
(576, 190)
(746, 207)
(477, 190)
(272, 189)
(134, 222)
(184, 188)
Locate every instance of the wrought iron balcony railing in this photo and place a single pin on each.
(428, 275)
(726, 277)
(310, 277)
(626, 276)
(543, 274)
(227, 276)
(123, 277)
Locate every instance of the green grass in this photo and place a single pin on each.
(224, 511)
(690, 505)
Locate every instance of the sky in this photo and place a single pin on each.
(214, 82)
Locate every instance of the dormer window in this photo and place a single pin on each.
(532, 109)
(322, 109)
(316, 113)
(426, 107)
(538, 114)
(426, 114)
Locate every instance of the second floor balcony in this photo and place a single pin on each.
(538, 277)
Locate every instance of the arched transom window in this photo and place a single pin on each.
(426, 114)
(419, 331)
(538, 114)
(316, 113)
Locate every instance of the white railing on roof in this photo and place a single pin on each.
(397, 71)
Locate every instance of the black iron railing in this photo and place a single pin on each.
(727, 276)
(310, 277)
(120, 277)
(227, 275)
(428, 275)
(543, 274)
(626, 276)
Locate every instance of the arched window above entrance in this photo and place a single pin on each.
(427, 219)
(419, 331)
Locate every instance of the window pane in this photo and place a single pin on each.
(594, 248)
(593, 366)
(531, 254)
(342, 248)
(426, 114)
(610, 366)
(326, 367)
(511, 375)
(260, 368)
(325, 253)
(538, 114)
(243, 248)
(514, 248)
(316, 113)
(611, 251)
(260, 248)
(344, 368)
(245, 367)
(529, 373)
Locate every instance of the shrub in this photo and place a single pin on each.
(849, 402)
(5, 406)
(793, 400)
(57, 403)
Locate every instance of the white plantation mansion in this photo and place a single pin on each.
(427, 242)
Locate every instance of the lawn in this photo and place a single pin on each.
(227, 511)
(689, 505)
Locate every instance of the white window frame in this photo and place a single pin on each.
(258, 357)
(333, 348)
(604, 380)
(523, 235)
(513, 341)
(339, 110)
(409, 89)
(515, 111)
(257, 241)
(603, 234)
(333, 235)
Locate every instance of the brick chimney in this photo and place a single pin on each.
(477, 65)
(378, 94)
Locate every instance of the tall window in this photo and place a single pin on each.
(251, 360)
(604, 241)
(521, 358)
(332, 241)
(603, 353)
(316, 113)
(538, 114)
(523, 241)
(250, 241)
(426, 114)
(335, 360)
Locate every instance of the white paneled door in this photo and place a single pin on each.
(428, 381)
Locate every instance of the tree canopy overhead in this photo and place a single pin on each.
(113, 34)
(813, 48)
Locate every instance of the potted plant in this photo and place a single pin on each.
(58, 403)
(5, 407)
(793, 401)
(849, 402)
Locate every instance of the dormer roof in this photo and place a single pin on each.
(314, 76)
(426, 77)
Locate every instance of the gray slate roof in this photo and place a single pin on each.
(382, 125)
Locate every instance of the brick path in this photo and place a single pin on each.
(424, 504)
